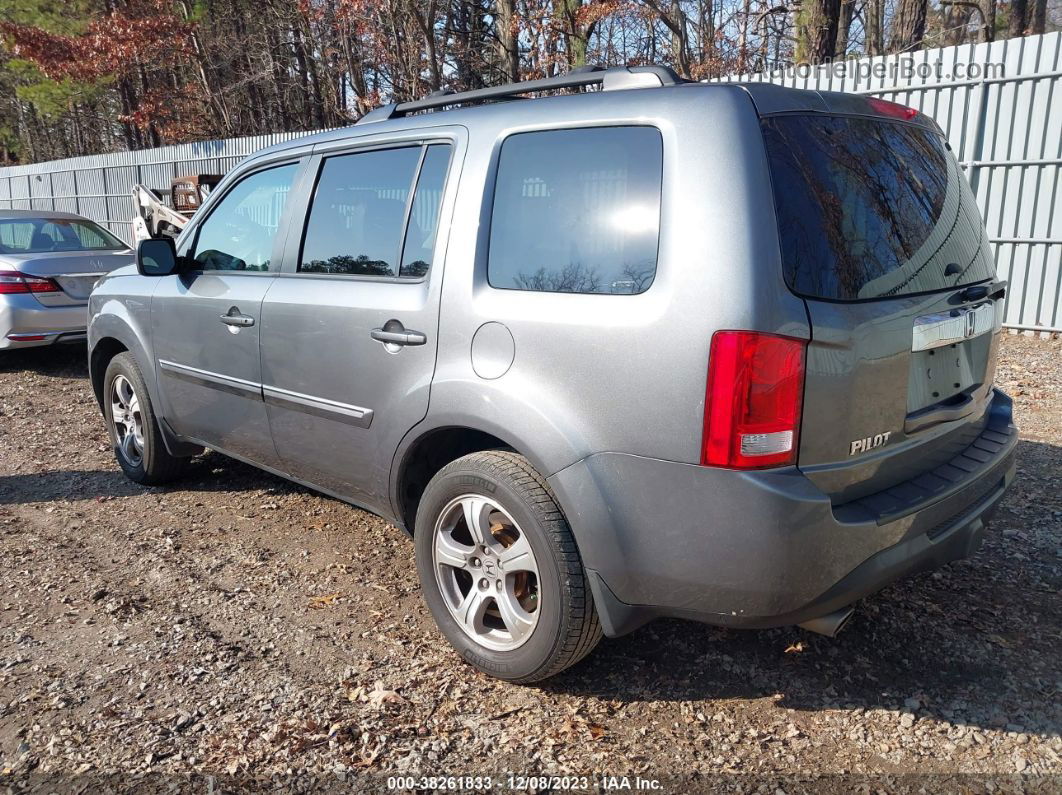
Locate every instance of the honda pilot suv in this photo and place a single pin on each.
(635, 348)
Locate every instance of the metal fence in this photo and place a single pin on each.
(100, 186)
(1000, 105)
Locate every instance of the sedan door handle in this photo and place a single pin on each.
(237, 320)
(396, 334)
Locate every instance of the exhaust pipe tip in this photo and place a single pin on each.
(830, 624)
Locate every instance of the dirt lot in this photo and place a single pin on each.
(238, 625)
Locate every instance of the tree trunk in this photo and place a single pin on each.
(679, 45)
(987, 28)
(844, 24)
(1016, 25)
(743, 41)
(508, 43)
(575, 35)
(427, 30)
(908, 26)
(1039, 17)
(706, 34)
(817, 23)
(875, 24)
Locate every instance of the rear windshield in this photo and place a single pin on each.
(40, 235)
(871, 209)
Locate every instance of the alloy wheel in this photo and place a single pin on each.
(487, 572)
(127, 420)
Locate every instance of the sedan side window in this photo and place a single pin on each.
(238, 234)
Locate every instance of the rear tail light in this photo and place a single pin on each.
(12, 282)
(885, 108)
(753, 401)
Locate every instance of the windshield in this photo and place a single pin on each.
(871, 209)
(40, 235)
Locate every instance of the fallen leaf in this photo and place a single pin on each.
(796, 648)
(321, 602)
(379, 695)
(366, 759)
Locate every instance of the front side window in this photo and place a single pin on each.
(577, 211)
(238, 234)
(358, 212)
(40, 235)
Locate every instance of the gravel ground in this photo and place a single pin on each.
(237, 625)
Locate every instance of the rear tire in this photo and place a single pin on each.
(133, 428)
(511, 597)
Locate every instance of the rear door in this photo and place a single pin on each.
(881, 236)
(349, 330)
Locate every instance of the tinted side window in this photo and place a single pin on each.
(423, 224)
(239, 232)
(358, 211)
(577, 211)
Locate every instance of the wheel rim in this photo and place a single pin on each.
(487, 572)
(127, 421)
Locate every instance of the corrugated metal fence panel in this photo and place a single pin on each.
(99, 186)
(1006, 129)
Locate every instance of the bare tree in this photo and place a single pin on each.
(908, 26)
(816, 32)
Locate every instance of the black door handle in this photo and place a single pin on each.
(395, 333)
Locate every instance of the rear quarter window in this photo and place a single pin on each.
(577, 211)
(871, 209)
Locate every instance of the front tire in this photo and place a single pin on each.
(500, 570)
(133, 428)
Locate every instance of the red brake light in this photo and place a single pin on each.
(753, 401)
(894, 109)
(12, 282)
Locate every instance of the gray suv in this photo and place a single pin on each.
(720, 352)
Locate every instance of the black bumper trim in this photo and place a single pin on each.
(947, 489)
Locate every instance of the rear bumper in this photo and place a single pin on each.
(763, 549)
(23, 318)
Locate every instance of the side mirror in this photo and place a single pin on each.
(156, 257)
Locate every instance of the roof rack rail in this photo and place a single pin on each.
(611, 79)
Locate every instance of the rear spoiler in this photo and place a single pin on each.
(772, 100)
